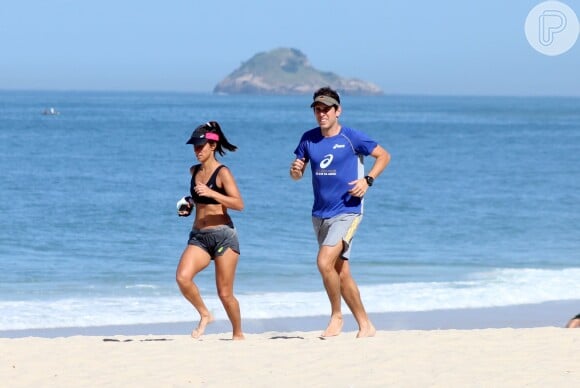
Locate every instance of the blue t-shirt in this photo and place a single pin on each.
(335, 161)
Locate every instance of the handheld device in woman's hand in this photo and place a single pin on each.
(184, 206)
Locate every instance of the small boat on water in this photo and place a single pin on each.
(50, 112)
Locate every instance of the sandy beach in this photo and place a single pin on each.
(497, 347)
(540, 357)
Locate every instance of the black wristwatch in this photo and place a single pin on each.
(370, 180)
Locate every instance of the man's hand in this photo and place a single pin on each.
(297, 168)
(359, 187)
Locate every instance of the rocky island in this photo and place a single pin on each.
(287, 71)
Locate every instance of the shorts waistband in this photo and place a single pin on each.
(213, 228)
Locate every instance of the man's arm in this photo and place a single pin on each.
(382, 159)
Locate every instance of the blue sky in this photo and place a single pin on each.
(405, 47)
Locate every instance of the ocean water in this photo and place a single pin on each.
(479, 207)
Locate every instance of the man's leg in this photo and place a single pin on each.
(326, 261)
(350, 292)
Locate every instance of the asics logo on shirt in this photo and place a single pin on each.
(326, 161)
(338, 146)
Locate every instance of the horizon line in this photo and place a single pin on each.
(207, 92)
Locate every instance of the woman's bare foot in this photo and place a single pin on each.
(238, 337)
(334, 327)
(366, 331)
(203, 322)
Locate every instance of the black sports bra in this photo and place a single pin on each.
(211, 183)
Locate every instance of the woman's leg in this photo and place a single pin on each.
(193, 260)
(225, 273)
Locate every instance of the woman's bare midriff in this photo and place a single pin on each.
(210, 216)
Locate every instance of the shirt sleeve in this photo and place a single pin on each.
(364, 145)
(301, 150)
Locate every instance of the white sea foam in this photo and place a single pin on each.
(502, 287)
(146, 286)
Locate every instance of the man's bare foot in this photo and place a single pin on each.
(203, 322)
(238, 337)
(334, 327)
(366, 331)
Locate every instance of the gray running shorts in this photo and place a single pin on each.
(215, 241)
(330, 231)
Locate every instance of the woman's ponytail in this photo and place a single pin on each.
(223, 142)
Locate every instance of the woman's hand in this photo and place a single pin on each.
(184, 206)
(203, 190)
